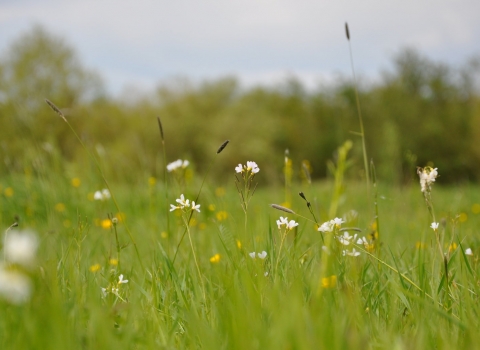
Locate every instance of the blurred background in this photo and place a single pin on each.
(268, 75)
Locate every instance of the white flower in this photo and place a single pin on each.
(253, 167)
(434, 225)
(20, 247)
(182, 201)
(177, 164)
(362, 240)
(325, 249)
(121, 280)
(252, 255)
(346, 238)
(104, 292)
(329, 226)
(262, 255)
(102, 195)
(173, 207)
(427, 177)
(291, 224)
(239, 168)
(15, 287)
(352, 253)
(195, 207)
(468, 251)
(282, 221)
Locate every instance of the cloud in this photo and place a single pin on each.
(147, 40)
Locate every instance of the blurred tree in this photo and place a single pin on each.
(36, 66)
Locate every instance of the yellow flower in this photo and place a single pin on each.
(329, 282)
(476, 208)
(60, 207)
(452, 247)
(106, 224)
(113, 262)
(76, 182)
(215, 259)
(8, 192)
(95, 268)
(462, 217)
(239, 244)
(152, 181)
(164, 234)
(220, 192)
(211, 207)
(420, 245)
(221, 215)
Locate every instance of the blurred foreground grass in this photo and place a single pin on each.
(248, 304)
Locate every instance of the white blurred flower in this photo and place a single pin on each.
(282, 221)
(15, 287)
(331, 225)
(252, 255)
(195, 207)
(177, 164)
(102, 195)
(121, 280)
(468, 251)
(291, 224)
(262, 255)
(20, 247)
(346, 239)
(325, 249)
(434, 225)
(427, 177)
(352, 253)
(239, 168)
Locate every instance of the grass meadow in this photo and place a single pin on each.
(133, 268)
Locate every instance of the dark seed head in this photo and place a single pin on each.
(161, 128)
(55, 109)
(224, 144)
(347, 31)
(302, 195)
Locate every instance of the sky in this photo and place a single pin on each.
(139, 44)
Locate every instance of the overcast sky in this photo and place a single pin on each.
(140, 43)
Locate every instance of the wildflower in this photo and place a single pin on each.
(329, 282)
(15, 287)
(94, 268)
(252, 255)
(346, 239)
(434, 225)
(8, 192)
(468, 251)
(121, 280)
(288, 224)
(215, 259)
(262, 255)
(60, 207)
(177, 164)
(113, 261)
(250, 167)
(221, 215)
(184, 204)
(102, 195)
(106, 224)
(325, 249)
(452, 247)
(76, 182)
(239, 244)
(20, 247)
(195, 207)
(427, 177)
(331, 225)
(352, 253)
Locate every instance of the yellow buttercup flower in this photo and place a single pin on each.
(221, 215)
(95, 268)
(215, 259)
(106, 224)
(60, 207)
(76, 182)
(329, 282)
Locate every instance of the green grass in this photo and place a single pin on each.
(372, 305)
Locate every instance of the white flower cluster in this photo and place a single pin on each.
(177, 164)
(251, 166)
(102, 195)
(184, 204)
(19, 249)
(261, 255)
(114, 288)
(346, 239)
(289, 225)
(427, 177)
(331, 225)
